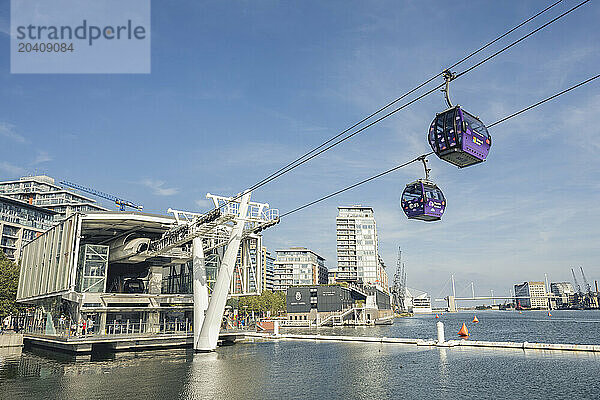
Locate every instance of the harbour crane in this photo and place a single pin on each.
(587, 284)
(121, 203)
(576, 283)
(398, 290)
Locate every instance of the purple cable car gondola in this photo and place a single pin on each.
(422, 199)
(457, 136)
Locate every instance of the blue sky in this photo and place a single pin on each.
(238, 89)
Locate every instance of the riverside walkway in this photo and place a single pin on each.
(111, 343)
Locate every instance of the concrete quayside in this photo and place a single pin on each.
(11, 340)
(431, 342)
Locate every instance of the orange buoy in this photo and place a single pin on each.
(463, 331)
(437, 316)
(549, 314)
(475, 320)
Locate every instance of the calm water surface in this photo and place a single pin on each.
(306, 369)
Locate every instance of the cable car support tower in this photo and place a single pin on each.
(231, 220)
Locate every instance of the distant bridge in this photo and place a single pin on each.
(495, 297)
(451, 300)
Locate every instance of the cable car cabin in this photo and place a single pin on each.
(459, 138)
(423, 200)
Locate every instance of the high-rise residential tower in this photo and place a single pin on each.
(268, 269)
(357, 248)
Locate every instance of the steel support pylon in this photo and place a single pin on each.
(200, 287)
(211, 325)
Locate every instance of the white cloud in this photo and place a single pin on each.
(11, 169)
(42, 157)
(158, 188)
(204, 203)
(8, 131)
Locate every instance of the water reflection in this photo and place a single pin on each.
(443, 366)
(309, 369)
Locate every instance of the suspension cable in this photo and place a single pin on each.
(543, 101)
(480, 49)
(523, 38)
(307, 158)
(303, 159)
(356, 184)
(419, 158)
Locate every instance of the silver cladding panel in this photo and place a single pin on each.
(47, 262)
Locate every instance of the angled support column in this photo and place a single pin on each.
(200, 287)
(209, 334)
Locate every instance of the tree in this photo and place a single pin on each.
(9, 280)
(267, 301)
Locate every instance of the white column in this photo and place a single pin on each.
(199, 286)
(209, 334)
(155, 281)
(440, 332)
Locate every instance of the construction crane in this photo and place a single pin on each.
(587, 285)
(576, 283)
(121, 203)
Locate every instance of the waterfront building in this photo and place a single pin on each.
(417, 301)
(337, 305)
(564, 294)
(97, 266)
(268, 270)
(534, 294)
(20, 223)
(298, 266)
(357, 248)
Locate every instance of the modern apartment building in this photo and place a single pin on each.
(534, 293)
(33, 204)
(20, 223)
(564, 293)
(42, 191)
(268, 269)
(357, 248)
(298, 266)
